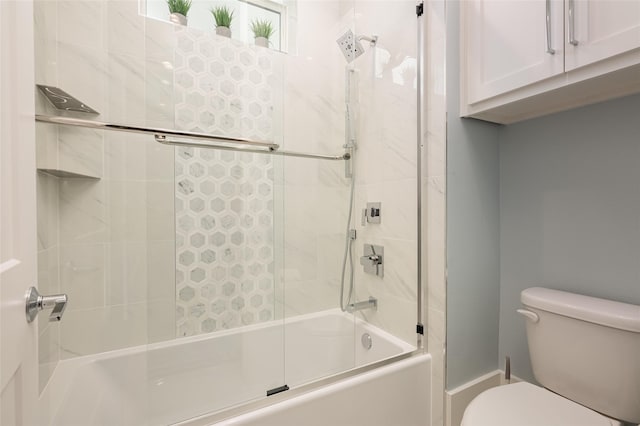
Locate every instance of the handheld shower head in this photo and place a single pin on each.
(350, 44)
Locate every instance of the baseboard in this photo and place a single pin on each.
(457, 399)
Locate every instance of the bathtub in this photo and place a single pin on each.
(187, 378)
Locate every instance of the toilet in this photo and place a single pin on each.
(585, 352)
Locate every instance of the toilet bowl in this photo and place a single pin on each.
(524, 404)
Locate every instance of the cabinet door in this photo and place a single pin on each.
(601, 29)
(506, 44)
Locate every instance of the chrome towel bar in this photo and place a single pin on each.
(208, 141)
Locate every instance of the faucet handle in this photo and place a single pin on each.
(373, 260)
(36, 303)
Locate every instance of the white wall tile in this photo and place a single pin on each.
(160, 111)
(124, 28)
(126, 279)
(126, 89)
(83, 211)
(82, 275)
(47, 211)
(127, 210)
(160, 162)
(48, 352)
(160, 40)
(160, 211)
(45, 16)
(46, 144)
(161, 321)
(161, 271)
(80, 151)
(82, 71)
(102, 329)
(81, 23)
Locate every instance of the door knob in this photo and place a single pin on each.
(36, 303)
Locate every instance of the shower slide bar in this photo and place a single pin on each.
(209, 141)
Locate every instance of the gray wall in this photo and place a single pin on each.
(569, 211)
(472, 232)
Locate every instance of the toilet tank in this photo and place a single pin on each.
(586, 349)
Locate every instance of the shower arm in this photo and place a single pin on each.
(372, 40)
(209, 141)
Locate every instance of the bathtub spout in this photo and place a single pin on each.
(372, 303)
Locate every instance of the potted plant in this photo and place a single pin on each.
(262, 31)
(178, 10)
(223, 18)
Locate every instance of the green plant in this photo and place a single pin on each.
(179, 6)
(262, 28)
(222, 15)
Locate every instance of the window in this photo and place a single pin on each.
(244, 13)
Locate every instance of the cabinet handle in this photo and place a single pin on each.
(550, 50)
(572, 24)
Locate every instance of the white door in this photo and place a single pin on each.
(18, 340)
(507, 45)
(601, 29)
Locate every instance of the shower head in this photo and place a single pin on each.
(350, 44)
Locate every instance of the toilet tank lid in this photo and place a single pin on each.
(623, 316)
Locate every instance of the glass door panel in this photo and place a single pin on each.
(228, 346)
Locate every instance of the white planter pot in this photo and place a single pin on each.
(262, 41)
(223, 31)
(178, 18)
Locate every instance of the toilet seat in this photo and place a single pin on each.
(524, 404)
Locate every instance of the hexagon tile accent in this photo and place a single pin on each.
(224, 199)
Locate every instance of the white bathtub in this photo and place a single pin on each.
(169, 382)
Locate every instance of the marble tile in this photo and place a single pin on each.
(160, 162)
(124, 28)
(48, 277)
(47, 210)
(48, 352)
(161, 321)
(81, 151)
(82, 276)
(330, 256)
(394, 314)
(82, 70)
(125, 89)
(160, 211)
(305, 297)
(45, 16)
(126, 279)
(83, 211)
(90, 331)
(399, 209)
(126, 156)
(160, 40)
(436, 243)
(127, 210)
(160, 111)
(81, 22)
(46, 146)
(434, 196)
(161, 271)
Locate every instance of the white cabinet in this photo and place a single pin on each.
(525, 58)
(601, 29)
(507, 44)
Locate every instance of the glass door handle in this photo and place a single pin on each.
(36, 303)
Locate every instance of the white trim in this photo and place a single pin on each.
(456, 400)
(280, 9)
